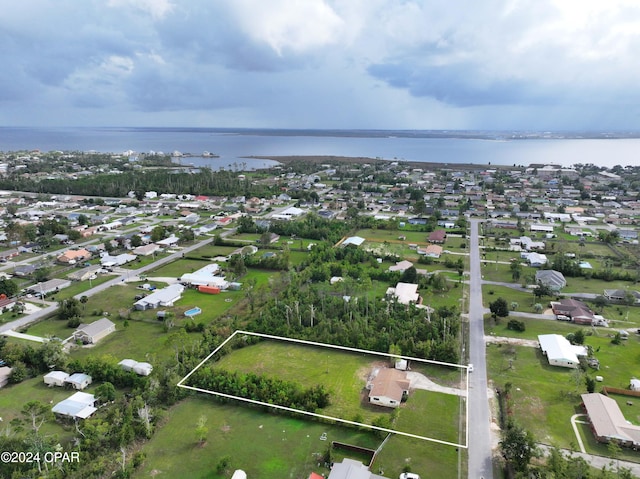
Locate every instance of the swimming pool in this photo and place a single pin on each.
(192, 312)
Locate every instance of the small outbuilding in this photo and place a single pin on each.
(141, 369)
(634, 384)
(79, 381)
(55, 378)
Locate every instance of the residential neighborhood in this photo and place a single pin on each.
(517, 287)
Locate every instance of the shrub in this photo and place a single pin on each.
(516, 325)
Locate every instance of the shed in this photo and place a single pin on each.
(239, 474)
(79, 380)
(127, 364)
(143, 369)
(5, 372)
(55, 378)
(634, 384)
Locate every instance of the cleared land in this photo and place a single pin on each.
(344, 375)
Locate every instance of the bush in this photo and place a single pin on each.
(516, 325)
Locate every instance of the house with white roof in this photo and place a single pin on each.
(405, 293)
(560, 352)
(161, 297)
(78, 406)
(205, 276)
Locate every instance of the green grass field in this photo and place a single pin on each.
(344, 375)
(264, 445)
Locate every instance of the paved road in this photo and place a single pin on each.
(479, 427)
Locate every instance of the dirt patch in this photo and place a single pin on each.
(225, 428)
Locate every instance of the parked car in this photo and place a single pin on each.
(409, 475)
(470, 368)
(562, 317)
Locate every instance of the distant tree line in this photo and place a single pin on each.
(204, 182)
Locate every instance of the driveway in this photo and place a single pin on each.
(420, 381)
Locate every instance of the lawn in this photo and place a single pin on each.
(264, 445)
(344, 375)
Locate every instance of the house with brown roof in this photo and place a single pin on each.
(608, 422)
(388, 387)
(574, 309)
(438, 236)
(73, 256)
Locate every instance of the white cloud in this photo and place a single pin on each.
(289, 24)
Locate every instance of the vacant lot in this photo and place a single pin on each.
(264, 445)
(344, 375)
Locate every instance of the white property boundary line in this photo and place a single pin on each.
(321, 416)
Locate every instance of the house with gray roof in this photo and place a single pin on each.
(553, 279)
(78, 406)
(351, 469)
(94, 332)
(160, 298)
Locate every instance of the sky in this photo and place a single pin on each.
(367, 64)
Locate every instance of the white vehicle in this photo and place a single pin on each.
(470, 368)
(409, 475)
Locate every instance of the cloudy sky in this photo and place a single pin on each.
(398, 64)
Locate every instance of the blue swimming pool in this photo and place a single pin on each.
(192, 312)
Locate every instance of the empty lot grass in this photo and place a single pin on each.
(543, 397)
(618, 363)
(344, 375)
(139, 340)
(264, 445)
(525, 300)
(428, 459)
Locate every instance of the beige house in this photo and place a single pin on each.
(388, 387)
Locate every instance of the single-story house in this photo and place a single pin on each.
(85, 273)
(351, 469)
(161, 297)
(146, 250)
(94, 332)
(560, 352)
(574, 309)
(51, 286)
(607, 421)
(553, 279)
(535, 259)
(73, 256)
(405, 293)
(24, 270)
(388, 387)
(438, 236)
(79, 381)
(56, 378)
(619, 295)
(168, 242)
(401, 266)
(289, 213)
(205, 276)
(78, 406)
(433, 251)
(124, 258)
(352, 240)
